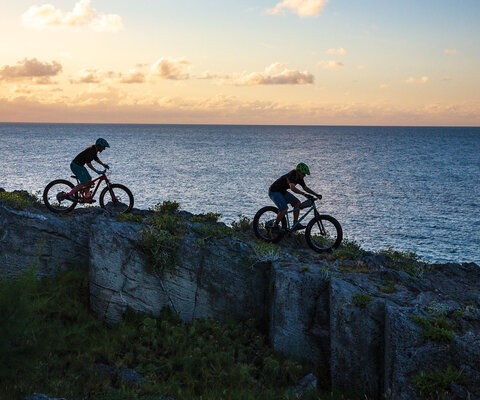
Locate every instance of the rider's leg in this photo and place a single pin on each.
(293, 200)
(281, 203)
(83, 176)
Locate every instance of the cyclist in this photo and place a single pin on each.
(280, 195)
(78, 167)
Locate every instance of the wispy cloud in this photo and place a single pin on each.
(303, 8)
(32, 69)
(331, 64)
(336, 52)
(99, 76)
(171, 68)
(276, 74)
(82, 15)
(422, 80)
(451, 52)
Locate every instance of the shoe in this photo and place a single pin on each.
(275, 229)
(299, 227)
(61, 196)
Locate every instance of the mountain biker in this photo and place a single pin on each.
(78, 168)
(280, 195)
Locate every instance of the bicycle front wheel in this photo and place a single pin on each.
(54, 196)
(263, 225)
(323, 233)
(116, 198)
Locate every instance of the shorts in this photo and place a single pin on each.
(281, 200)
(81, 173)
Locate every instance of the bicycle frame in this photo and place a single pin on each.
(90, 184)
(290, 227)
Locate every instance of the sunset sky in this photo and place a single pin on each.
(301, 62)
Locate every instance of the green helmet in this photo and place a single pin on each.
(302, 167)
(102, 142)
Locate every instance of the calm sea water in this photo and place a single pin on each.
(413, 189)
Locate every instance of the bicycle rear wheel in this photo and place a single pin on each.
(54, 196)
(117, 199)
(263, 225)
(323, 233)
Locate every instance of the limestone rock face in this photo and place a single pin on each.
(214, 279)
(350, 318)
(49, 242)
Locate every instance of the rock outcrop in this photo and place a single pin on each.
(370, 326)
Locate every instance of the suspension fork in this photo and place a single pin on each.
(319, 223)
(110, 190)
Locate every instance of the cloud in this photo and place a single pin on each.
(276, 74)
(171, 68)
(32, 69)
(336, 52)
(104, 77)
(47, 16)
(451, 52)
(331, 64)
(303, 8)
(132, 76)
(422, 80)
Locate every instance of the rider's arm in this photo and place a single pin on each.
(93, 168)
(294, 188)
(308, 190)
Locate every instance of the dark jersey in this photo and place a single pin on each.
(86, 156)
(281, 184)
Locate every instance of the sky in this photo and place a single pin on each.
(289, 62)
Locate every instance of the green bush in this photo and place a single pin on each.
(438, 329)
(436, 384)
(161, 235)
(404, 261)
(19, 199)
(361, 300)
(244, 224)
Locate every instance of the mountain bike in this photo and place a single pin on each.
(114, 197)
(323, 232)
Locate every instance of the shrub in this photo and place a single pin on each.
(436, 384)
(244, 224)
(361, 300)
(348, 250)
(404, 261)
(19, 199)
(161, 235)
(437, 329)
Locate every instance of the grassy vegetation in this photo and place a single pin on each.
(437, 329)
(160, 237)
(404, 261)
(348, 250)
(19, 199)
(436, 384)
(361, 300)
(50, 343)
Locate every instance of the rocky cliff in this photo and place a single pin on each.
(372, 323)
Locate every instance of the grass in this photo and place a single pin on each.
(436, 384)
(160, 237)
(404, 261)
(361, 300)
(19, 199)
(437, 329)
(50, 343)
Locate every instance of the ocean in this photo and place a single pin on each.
(407, 188)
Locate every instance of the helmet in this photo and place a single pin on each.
(102, 142)
(302, 167)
